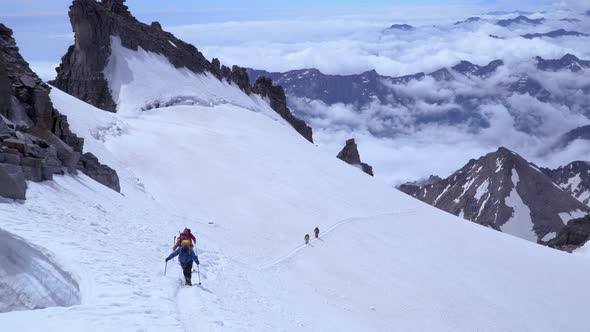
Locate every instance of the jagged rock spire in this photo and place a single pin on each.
(117, 7)
(350, 155)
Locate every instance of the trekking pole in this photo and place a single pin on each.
(165, 268)
(198, 270)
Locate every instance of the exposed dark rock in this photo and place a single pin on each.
(570, 20)
(239, 76)
(81, 71)
(35, 139)
(520, 20)
(573, 178)
(12, 181)
(574, 235)
(469, 20)
(555, 34)
(278, 102)
(490, 190)
(90, 166)
(497, 37)
(350, 155)
(404, 27)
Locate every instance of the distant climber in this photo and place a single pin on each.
(185, 235)
(316, 231)
(186, 256)
(306, 238)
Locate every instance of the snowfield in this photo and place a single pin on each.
(250, 187)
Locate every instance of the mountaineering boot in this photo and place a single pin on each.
(188, 283)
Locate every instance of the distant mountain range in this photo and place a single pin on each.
(361, 90)
(520, 20)
(502, 12)
(503, 191)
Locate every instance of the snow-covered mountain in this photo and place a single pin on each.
(505, 192)
(249, 186)
(114, 55)
(573, 178)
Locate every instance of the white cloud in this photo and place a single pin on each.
(353, 44)
(390, 137)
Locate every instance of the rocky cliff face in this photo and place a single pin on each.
(574, 235)
(278, 101)
(81, 71)
(503, 191)
(350, 155)
(35, 139)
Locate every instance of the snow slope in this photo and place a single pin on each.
(251, 187)
(144, 80)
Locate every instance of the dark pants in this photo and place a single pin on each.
(187, 269)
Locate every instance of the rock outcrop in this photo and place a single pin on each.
(350, 155)
(90, 166)
(503, 191)
(81, 71)
(278, 102)
(574, 235)
(35, 139)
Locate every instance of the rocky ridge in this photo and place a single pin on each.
(94, 23)
(278, 101)
(35, 140)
